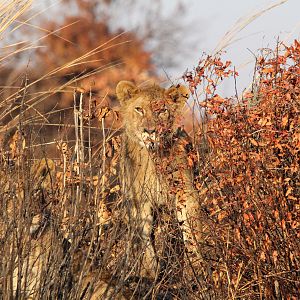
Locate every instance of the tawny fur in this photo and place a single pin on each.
(153, 162)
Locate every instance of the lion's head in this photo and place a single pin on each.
(149, 113)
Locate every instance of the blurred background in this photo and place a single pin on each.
(169, 36)
(60, 61)
(57, 47)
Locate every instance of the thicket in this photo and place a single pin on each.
(246, 158)
(249, 176)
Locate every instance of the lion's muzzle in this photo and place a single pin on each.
(150, 138)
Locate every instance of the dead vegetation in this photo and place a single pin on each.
(64, 223)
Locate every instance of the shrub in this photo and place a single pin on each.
(249, 181)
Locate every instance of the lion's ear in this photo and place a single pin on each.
(178, 95)
(125, 90)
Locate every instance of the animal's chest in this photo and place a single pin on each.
(141, 182)
(156, 177)
(147, 185)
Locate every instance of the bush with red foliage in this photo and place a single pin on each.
(249, 182)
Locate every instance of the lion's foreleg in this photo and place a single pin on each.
(188, 214)
(150, 263)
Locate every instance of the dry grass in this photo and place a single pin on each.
(242, 23)
(11, 11)
(64, 229)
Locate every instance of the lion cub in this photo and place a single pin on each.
(155, 167)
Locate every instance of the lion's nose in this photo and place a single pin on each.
(149, 131)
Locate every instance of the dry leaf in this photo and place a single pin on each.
(284, 121)
(253, 142)
(103, 112)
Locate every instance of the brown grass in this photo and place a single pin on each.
(63, 222)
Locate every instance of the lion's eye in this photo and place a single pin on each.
(139, 110)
